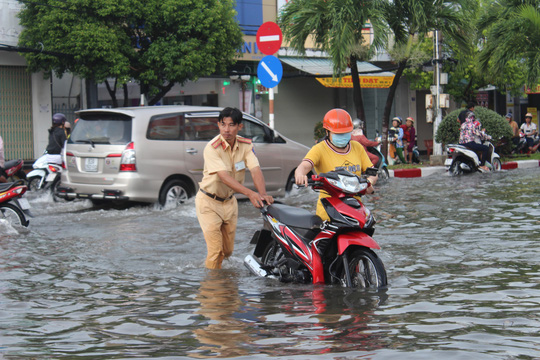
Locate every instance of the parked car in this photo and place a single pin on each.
(155, 154)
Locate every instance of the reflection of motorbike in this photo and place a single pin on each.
(463, 160)
(295, 245)
(13, 170)
(13, 207)
(45, 176)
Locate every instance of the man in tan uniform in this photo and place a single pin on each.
(226, 158)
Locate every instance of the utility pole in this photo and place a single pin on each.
(437, 147)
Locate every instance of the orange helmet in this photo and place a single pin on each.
(338, 121)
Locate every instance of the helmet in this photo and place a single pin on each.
(67, 125)
(358, 124)
(528, 115)
(338, 121)
(398, 119)
(509, 115)
(410, 119)
(58, 119)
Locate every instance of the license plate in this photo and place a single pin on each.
(448, 162)
(50, 177)
(24, 204)
(90, 164)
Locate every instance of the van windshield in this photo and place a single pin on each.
(102, 128)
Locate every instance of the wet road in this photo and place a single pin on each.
(462, 257)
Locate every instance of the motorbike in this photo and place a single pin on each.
(13, 170)
(296, 246)
(462, 160)
(13, 207)
(45, 176)
(381, 165)
(522, 148)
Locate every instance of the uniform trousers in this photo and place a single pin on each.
(218, 222)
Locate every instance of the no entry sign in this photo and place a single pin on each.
(269, 38)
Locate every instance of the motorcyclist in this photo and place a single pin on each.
(57, 138)
(472, 135)
(529, 131)
(358, 135)
(337, 151)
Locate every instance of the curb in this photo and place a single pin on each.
(427, 171)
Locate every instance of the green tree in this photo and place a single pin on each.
(158, 43)
(512, 38)
(336, 27)
(411, 20)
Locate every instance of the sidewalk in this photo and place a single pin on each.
(431, 170)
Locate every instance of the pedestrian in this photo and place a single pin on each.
(336, 152)
(57, 138)
(515, 128)
(528, 129)
(67, 129)
(358, 135)
(395, 135)
(463, 114)
(226, 158)
(411, 136)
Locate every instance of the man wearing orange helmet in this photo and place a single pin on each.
(336, 151)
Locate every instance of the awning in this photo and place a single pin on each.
(371, 76)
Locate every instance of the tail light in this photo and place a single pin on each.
(128, 161)
(53, 168)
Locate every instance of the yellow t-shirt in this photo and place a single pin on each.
(325, 159)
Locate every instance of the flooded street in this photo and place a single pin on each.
(462, 257)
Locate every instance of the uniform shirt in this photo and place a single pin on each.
(325, 159)
(515, 128)
(528, 130)
(220, 156)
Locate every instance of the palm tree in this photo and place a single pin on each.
(512, 29)
(336, 27)
(411, 20)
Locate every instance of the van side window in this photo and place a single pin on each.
(200, 128)
(253, 131)
(165, 127)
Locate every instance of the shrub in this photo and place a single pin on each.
(495, 125)
(319, 131)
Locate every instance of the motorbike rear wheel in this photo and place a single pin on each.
(366, 270)
(455, 168)
(272, 254)
(33, 183)
(384, 175)
(13, 215)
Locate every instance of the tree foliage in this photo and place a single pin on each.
(156, 42)
(335, 26)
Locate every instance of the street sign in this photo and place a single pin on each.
(270, 71)
(269, 38)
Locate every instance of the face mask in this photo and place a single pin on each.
(341, 140)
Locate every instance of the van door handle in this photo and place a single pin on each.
(191, 151)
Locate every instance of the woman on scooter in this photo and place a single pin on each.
(337, 151)
(471, 136)
(57, 138)
(528, 129)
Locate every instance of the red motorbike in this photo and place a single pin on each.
(13, 170)
(14, 209)
(295, 245)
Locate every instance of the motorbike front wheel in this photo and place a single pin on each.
(366, 270)
(13, 215)
(497, 166)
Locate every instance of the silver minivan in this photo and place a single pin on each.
(155, 154)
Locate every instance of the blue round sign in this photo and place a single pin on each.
(270, 71)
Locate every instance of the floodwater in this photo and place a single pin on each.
(462, 257)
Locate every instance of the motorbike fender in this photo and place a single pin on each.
(355, 238)
(261, 238)
(40, 173)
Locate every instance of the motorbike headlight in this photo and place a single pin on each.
(349, 184)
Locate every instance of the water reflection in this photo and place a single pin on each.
(225, 331)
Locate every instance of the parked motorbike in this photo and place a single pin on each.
(45, 177)
(13, 207)
(295, 245)
(522, 148)
(462, 160)
(13, 170)
(381, 165)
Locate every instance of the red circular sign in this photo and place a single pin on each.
(269, 38)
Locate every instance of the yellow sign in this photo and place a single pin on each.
(380, 82)
(535, 90)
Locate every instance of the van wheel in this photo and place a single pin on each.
(174, 193)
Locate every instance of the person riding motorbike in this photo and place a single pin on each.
(472, 135)
(529, 131)
(358, 135)
(57, 138)
(337, 151)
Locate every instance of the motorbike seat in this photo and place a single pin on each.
(11, 163)
(6, 186)
(294, 216)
